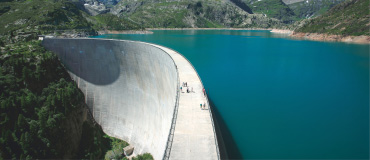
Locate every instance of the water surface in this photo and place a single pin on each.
(280, 98)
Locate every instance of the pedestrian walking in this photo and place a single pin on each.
(204, 92)
(181, 89)
(204, 105)
(192, 89)
(183, 84)
(201, 106)
(187, 90)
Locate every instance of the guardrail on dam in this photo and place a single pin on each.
(132, 90)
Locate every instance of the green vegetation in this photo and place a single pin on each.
(116, 152)
(272, 8)
(24, 20)
(348, 18)
(39, 102)
(146, 16)
(42, 16)
(306, 9)
(42, 110)
(191, 14)
(112, 22)
(145, 156)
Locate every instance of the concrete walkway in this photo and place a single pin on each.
(194, 136)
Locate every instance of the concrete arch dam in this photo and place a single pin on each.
(132, 91)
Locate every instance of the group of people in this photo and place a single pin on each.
(203, 106)
(185, 84)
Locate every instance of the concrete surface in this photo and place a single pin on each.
(132, 88)
(194, 136)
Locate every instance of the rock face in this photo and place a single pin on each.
(94, 8)
(130, 88)
(292, 1)
(73, 126)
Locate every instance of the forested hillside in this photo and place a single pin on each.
(43, 114)
(24, 20)
(42, 110)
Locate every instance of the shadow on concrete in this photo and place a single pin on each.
(93, 60)
(226, 143)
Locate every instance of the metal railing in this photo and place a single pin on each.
(167, 152)
(209, 106)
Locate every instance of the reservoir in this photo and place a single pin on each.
(276, 97)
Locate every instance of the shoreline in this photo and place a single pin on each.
(282, 31)
(294, 35)
(208, 29)
(125, 32)
(331, 38)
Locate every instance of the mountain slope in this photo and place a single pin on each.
(312, 8)
(180, 14)
(272, 8)
(41, 15)
(348, 18)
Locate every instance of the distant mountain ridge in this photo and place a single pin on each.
(210, 13)
(22, 19)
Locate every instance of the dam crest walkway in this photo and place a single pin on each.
(194, 135)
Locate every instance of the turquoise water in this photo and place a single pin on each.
(280, 98)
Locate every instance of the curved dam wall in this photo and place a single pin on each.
(130, 87)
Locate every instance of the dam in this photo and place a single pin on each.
(133, 91)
